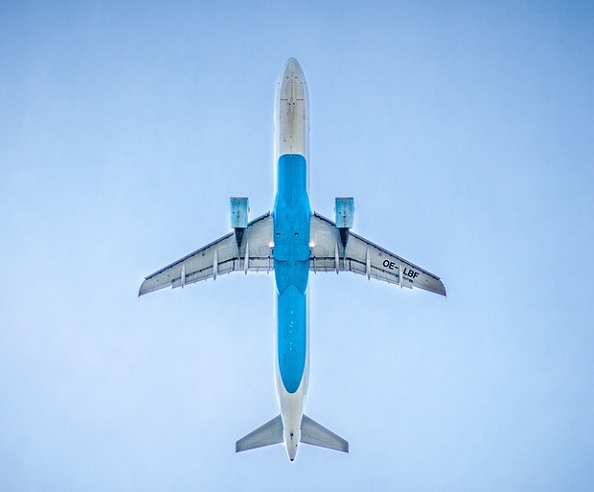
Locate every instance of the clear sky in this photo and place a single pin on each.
(465, 132)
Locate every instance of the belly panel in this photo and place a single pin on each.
(292, 337)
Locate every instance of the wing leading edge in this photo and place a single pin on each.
(365, 258)
(224, 255)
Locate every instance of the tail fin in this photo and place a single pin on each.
(266, 435)
(317, 435)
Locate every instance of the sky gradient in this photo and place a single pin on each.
(465, 132)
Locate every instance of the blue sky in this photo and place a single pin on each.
(465, 132)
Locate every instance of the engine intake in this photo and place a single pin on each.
(344, 208)
(345, 212)
(240, 209)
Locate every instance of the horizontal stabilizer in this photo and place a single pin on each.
(268, 434)
(316, 435)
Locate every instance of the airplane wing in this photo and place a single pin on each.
(364, 257)
(219, 257)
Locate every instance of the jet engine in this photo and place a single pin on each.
(240, 209)
(344, 208)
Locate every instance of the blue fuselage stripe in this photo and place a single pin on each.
(291, 216)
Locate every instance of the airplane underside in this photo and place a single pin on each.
(292, 241)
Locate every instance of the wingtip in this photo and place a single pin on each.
(143, 289)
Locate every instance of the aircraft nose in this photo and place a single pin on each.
(292, 85)
(293, 69)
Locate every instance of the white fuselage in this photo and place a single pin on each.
(292, 336)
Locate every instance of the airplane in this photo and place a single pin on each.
(292, 241)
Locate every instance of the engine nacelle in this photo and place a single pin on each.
(240, 209)
(344, 208)
(239, 212)
(345, 212)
